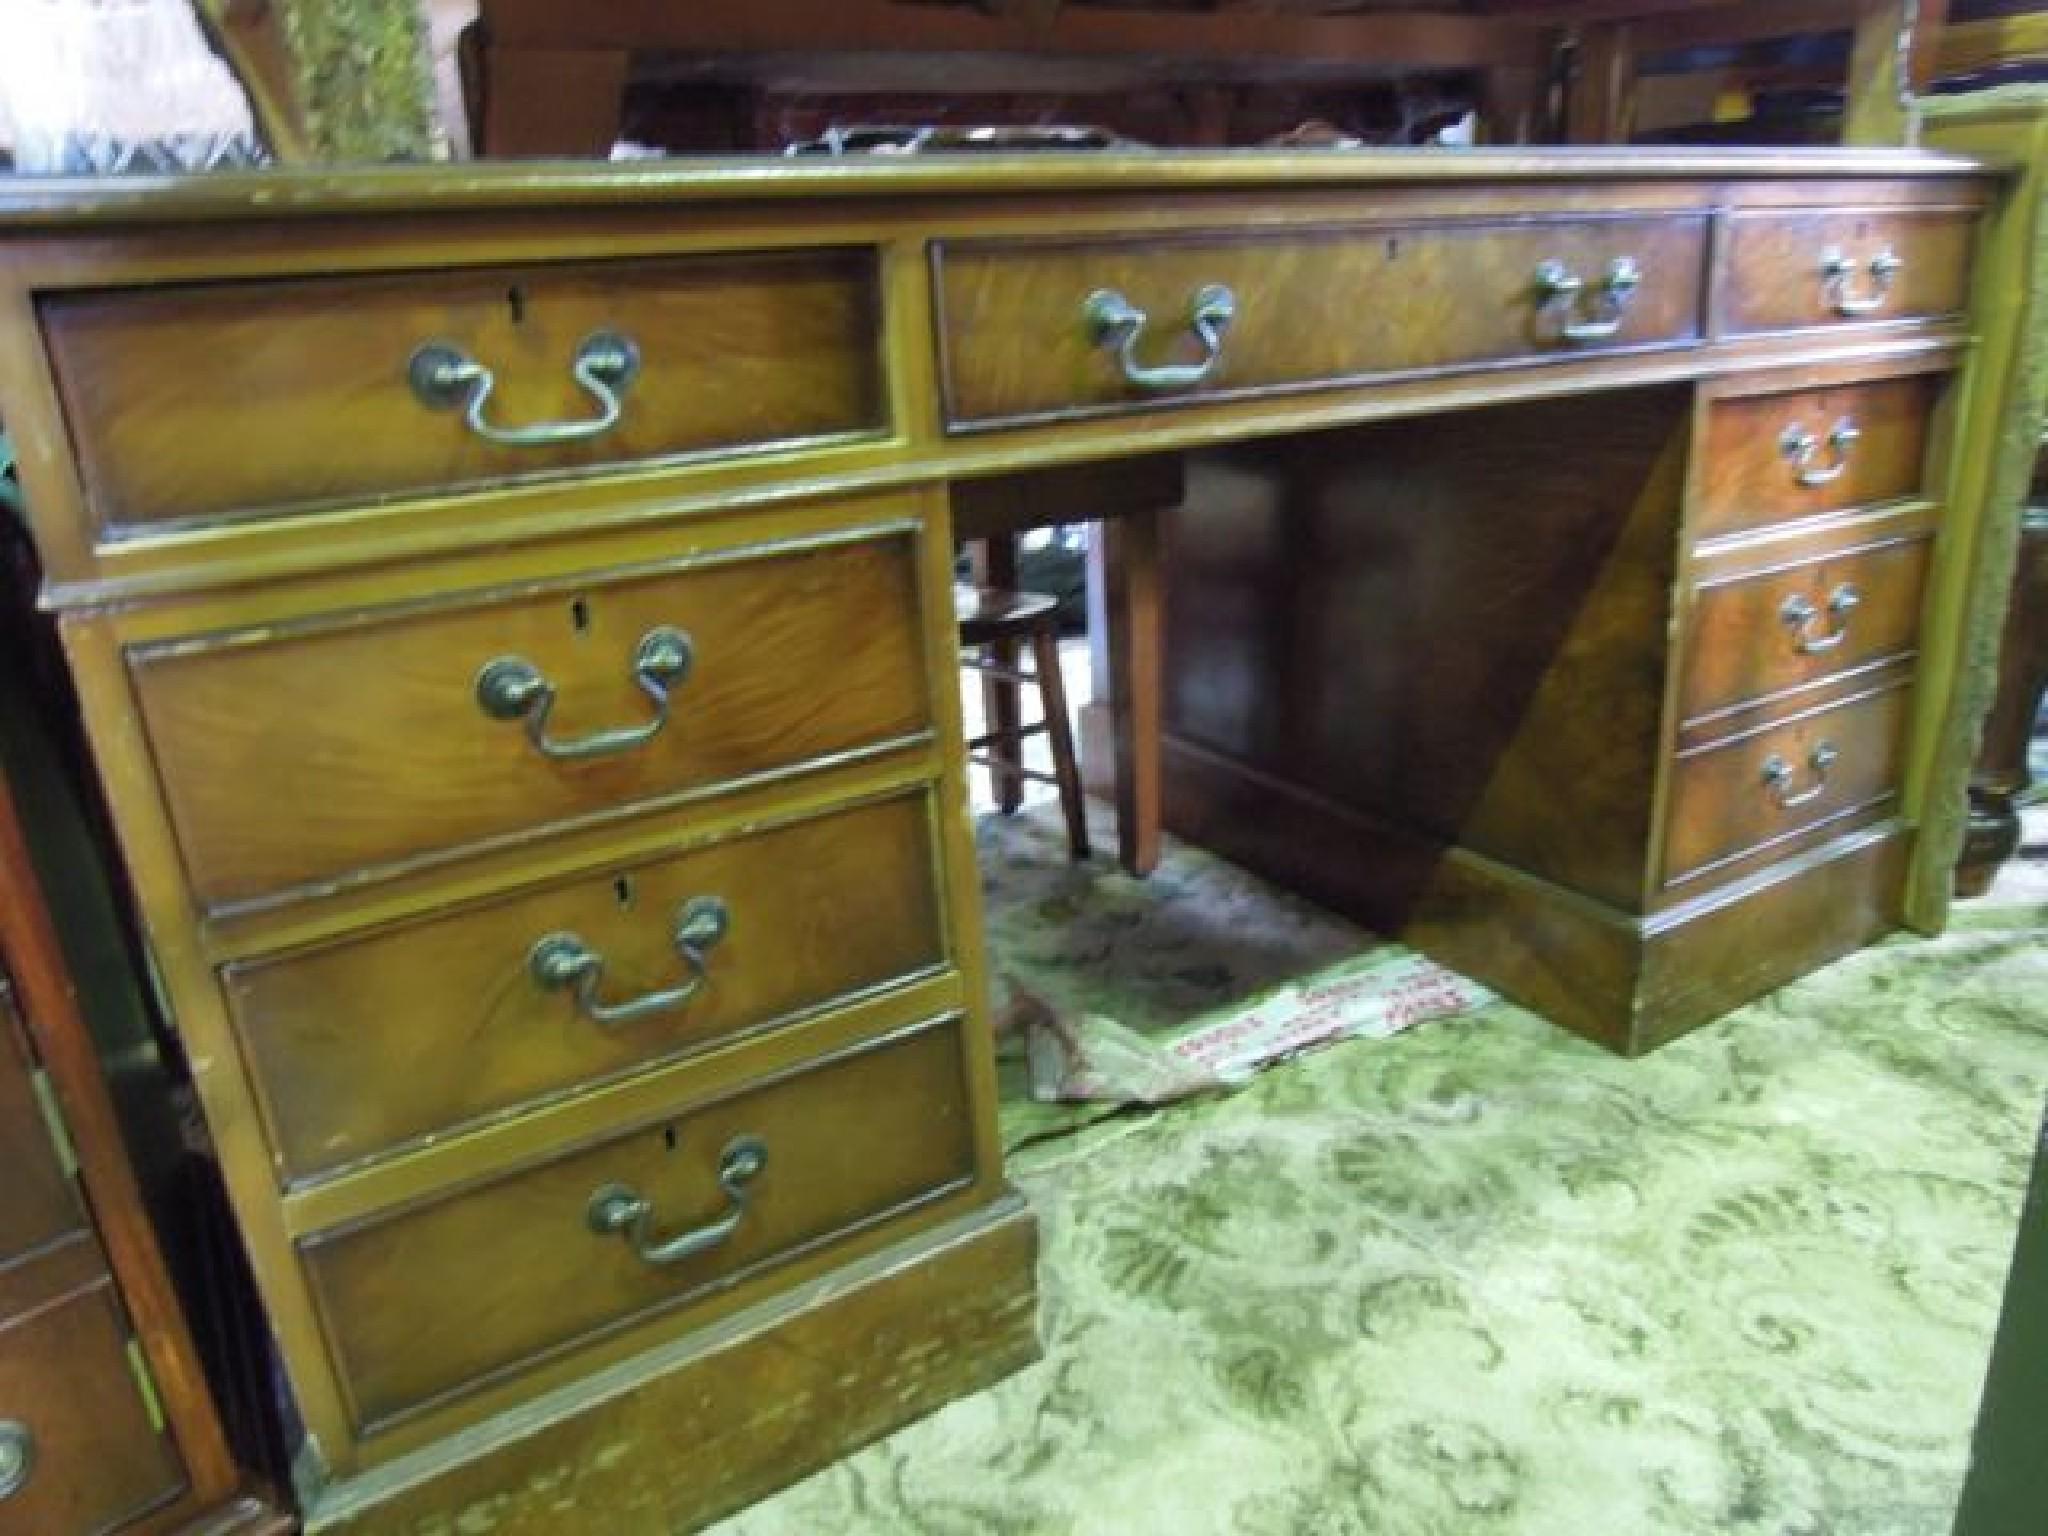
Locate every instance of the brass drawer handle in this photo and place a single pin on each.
(621, 1208)
(446, 378)
(17, 1457)
(1559, 290)
(1838, 271)
(513, 688)
(1800, 447)
(562, 961)
(1778, 776)
(1114, 321)
(1799, 616)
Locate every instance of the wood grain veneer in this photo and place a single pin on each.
(1746, 479)
(1748, 644)
(387, 1037)
(1775, 279)
(736, 352)
(295, 756)
(1317, 307)
(1724, 806)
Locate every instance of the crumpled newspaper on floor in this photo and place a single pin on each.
(1088, 1058)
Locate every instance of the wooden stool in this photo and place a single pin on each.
(996, 621)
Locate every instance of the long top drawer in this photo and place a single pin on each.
(214, 399)
(1037, 331)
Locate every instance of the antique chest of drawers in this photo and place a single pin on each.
(511, 614)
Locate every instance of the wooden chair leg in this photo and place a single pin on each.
(1059, 731)
(1131, 581)
(2001, 775)
(999, 696)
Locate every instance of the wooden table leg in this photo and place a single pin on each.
(2001, 773)
(1131, 582)
(998, 568)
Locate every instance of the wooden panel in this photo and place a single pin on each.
(1747, 478)
(1567, 958)
(98, 1460)
(1708, 957)
(423, 1303)
(734, 351)
(1776, 281)
(295, 755)
(37, 1201)
(1441, 622)
(418, 1029)
(1016, 345)
(1725, 803)
(1746, 640)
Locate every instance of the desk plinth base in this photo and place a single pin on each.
(693, 1431)
(1629, 982)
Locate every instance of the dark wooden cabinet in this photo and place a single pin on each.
(106, 1422)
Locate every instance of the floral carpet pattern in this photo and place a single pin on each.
(1483, 1278)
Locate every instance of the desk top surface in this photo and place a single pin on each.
(33, 202)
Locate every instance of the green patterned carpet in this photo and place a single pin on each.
(1483, 1278)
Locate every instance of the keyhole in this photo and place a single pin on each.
(515, 300)
(668, 1137)
(622, 892)
(1393, 250)
(579, 615)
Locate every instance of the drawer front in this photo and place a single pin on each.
(1025, 335)
(445, 1296)
(1765, 787)
(1778, 457)
(78, 1452)
(295, 757)
(37, 1201)
(1766, 633)
(371, 1043)
(1820, 267)
(167, 389)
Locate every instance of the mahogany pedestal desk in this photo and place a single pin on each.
(510, 610)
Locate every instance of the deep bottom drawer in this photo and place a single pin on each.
(477, 1285)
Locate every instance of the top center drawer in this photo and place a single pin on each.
(200, 401)
(1034, 331)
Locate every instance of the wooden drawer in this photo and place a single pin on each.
(1751, 792)
(1791, 269)
(166, 389)
(78, 1451)
(478, 1285)
(1801, 453)
(38, 1202)
(1762, 634)
(375, 1041)
(298, 755)
(1023, 337)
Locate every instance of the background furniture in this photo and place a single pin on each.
(994, 624)
(2006, 658)
(106, 1419)
(2002, 775)
(549, 79)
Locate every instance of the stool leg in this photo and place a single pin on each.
(1059, 731)
(999, 695)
